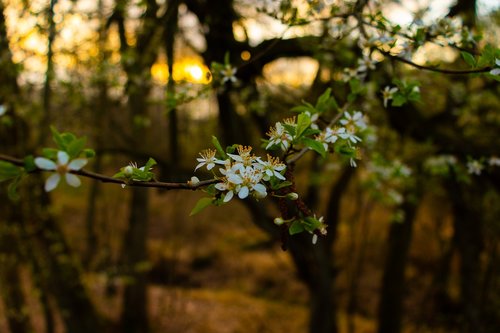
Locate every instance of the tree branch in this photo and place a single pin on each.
(435, 69)
(107, 179)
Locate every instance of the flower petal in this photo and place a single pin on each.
(261, 189)
(62, 157)
(243, 193)
(228, 196)
(235, 179)
(77, 164)
(221, 186)
(51, 182)
(72, 180)
(45, 164)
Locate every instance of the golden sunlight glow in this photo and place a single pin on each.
(294, 72)
(187, 70)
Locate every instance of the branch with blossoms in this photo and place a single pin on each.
(237, 172)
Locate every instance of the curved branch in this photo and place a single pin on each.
(435, 69)
(108, 179)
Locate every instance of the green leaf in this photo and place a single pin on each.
(303, 108)
(323, 99)
(29, 163)
(75, 146)
(303, 122)
(119, 175)
(56, 136)
(50, 153)
(88, 153)
(280, 185)
(398, 100)
(12, 189)
(468, 58)
(149, 164)
(296, 227)
(217, 146)
(311, 224)
(8, 171)
(201, 205)
(315, 145)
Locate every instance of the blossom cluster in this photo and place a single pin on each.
(243, 174)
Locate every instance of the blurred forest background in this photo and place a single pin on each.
(403, 254)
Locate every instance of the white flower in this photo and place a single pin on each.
(365, 64)
(279, 136)
(244, 157)
(3, 109)
(349, 135)
(496, 71)
(272, 168)
(494, 161)
(388, 94)
(208, 159)
(242, 181)
(228, 74)
(226, 186)
(355, 120)
(62, 167)
(329, 135)
(349, 73)
(474, 167)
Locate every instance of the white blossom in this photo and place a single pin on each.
(272, 168)
(62, 168)
(496, 71)
(208, 158)
(474, 167)
(388, 94)
(228, 74)
(279, 136)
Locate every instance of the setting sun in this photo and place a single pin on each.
(189, 70)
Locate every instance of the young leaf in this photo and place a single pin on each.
(398, 100)
(150, 163)
(29, 163)
(12, 189)
(468, 58)
(323, 98)
(315, 145)
(75, 147)
(303, 122)
(296, 227)
(8, 171)
(201, 205)
(56, 136)
(217, 145)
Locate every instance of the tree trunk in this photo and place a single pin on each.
(391, 309)
(468, 236)
(134, 317)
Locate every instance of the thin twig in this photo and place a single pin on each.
(435, 69)
(107, 179)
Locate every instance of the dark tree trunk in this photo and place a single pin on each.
(391, 308)
(134, 317)
(468, 237)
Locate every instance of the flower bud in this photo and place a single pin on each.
(314, 239)
(279, 221)
(193, 181)
(128, 170)
(292, 196)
